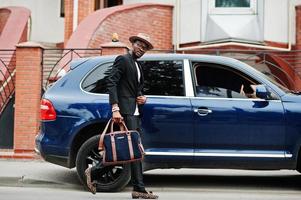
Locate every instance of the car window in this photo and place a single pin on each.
(213, 80)
(164, 78)
(95, 82)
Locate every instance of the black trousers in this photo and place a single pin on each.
(132, 123)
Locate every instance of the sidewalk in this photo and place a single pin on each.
(37, 173)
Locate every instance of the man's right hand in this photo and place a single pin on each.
(116, 117)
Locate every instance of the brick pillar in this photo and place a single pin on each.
(298, 26)
(113, 48)
(28, 96)
(297, 65)
(68, 20)
(85, 8)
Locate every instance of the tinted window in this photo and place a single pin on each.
(163, 78)
(96, 81)
(220, 81)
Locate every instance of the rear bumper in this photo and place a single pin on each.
(46, 152)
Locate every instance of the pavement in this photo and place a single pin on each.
(37, 173)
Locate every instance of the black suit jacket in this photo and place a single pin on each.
(123, 86)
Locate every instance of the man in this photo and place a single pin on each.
(125, 84)
(251, 93)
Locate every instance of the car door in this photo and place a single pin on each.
(167, 126)
(230, 126)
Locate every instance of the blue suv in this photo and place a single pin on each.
(202, 111)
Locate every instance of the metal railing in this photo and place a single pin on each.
(7, 76)
(56, 62)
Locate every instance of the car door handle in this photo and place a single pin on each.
(202, 111)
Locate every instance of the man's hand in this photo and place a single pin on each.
(242, 90)
(116, 117)
(141, 100)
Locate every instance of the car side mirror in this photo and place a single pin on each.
(262, 92)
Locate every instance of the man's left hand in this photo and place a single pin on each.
(141, 100)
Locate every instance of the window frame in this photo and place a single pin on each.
(252, 10)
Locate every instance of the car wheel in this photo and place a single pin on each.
(112, 178)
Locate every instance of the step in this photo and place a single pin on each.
(10, 154)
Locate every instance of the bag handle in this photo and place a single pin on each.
(121, 125)
(100, 145)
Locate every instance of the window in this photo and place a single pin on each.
(95, 82)
(99, 4)
(232, 3)
(232, 6)
(221, 82)
(163, 78)
(62, 11)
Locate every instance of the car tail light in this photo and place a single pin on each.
(47, 110)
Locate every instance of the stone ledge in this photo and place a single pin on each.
(10, 154)
(30, 44)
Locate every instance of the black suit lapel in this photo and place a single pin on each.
(134, 70)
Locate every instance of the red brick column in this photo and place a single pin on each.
(28, 96)
(113, 48)
(298, 27)
(298, 46)
(68, 20)
(85, 8)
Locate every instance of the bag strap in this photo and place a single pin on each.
(100, 145)
(113, 148)
(130, 146)
(121, 124)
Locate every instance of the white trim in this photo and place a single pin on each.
(221, 154)
(251, 155)
(169, 154)
(75, 14)
(187, 78)
(252, 10)
(235, 99)
(188, 97)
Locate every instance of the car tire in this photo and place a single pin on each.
(113, 179)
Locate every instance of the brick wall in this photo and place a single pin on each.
(24, 34)
(154, 20)
(297, 65)
(68, 19)
(85, 7)
(126, 20)
(4, 14)
(298, 27)
(28, 95)
(114, 48)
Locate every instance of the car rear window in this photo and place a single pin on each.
(95, 81)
